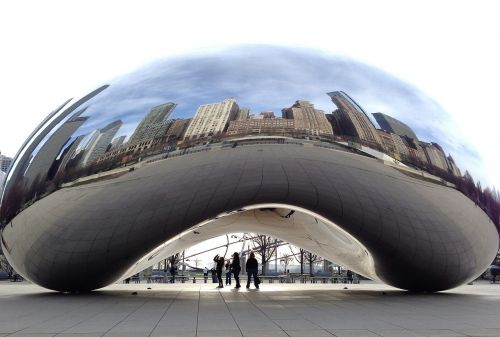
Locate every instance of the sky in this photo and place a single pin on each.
(442, 53)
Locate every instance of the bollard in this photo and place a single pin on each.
(194, 279)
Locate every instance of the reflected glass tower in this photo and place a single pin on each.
(5, 163)
(352, 119)
(154, 122)
(44, 159)
(393, 125)
(99, 142)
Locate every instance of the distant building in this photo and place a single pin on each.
(129, 149)
(393, 125)
(178, 128)
(388, 143)
(118, 141)
(5, 163)
(333, 122)
(308, 120)
(67, 155)
(415, 150)
(264, 124)
(212, 118)
(352, 120)
(100, 142)
(43, 160)
(242, 114)
(435, 155)
(401, 146)
(154, 130)
(154, 123)
(452, 167)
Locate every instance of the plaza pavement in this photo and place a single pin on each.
(184, 310)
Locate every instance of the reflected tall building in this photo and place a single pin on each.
(117, 142)
(352, 120)
(415, 150)
(435, 155)
(242, 114)
(212, 118)
(388, 143)
(5, 163)
(391, 124)
(452, 167)
(264, 124)
(99, 142)
(67, 155)
(178, 128)
(154, 123)
(307, 119)
(43, 160)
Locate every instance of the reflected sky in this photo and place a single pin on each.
(265, 78)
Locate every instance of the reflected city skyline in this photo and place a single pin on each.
(107, 148)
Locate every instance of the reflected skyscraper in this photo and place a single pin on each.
(243, 114)
(264, 124)
(391, 124)
(352, 119)
(154, 123)
(43, 160)
(99, 142)
(435, 155)
(212, 118)
(307, 119)
(117, 142)
(452, 167)
(5, 163)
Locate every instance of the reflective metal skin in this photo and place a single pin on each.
(166, 157)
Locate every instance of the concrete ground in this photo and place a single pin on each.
(183, 310)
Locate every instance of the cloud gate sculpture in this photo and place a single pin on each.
(189, 148)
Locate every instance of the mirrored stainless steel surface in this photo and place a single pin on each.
(190, 148)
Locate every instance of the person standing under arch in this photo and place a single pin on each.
(228, 272)
(219, 264)
(252, 268)
(236, 269)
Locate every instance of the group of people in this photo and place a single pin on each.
(233, 267)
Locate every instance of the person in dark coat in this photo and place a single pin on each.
(236, 269)
(219, 264)
(349, 276)
(173, 269)
(214, 276)
(228, 272)
(252, 267)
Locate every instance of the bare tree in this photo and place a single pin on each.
(264, 246)
(299, 259)
(312, 259)
(174, 259)
(285, 259)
